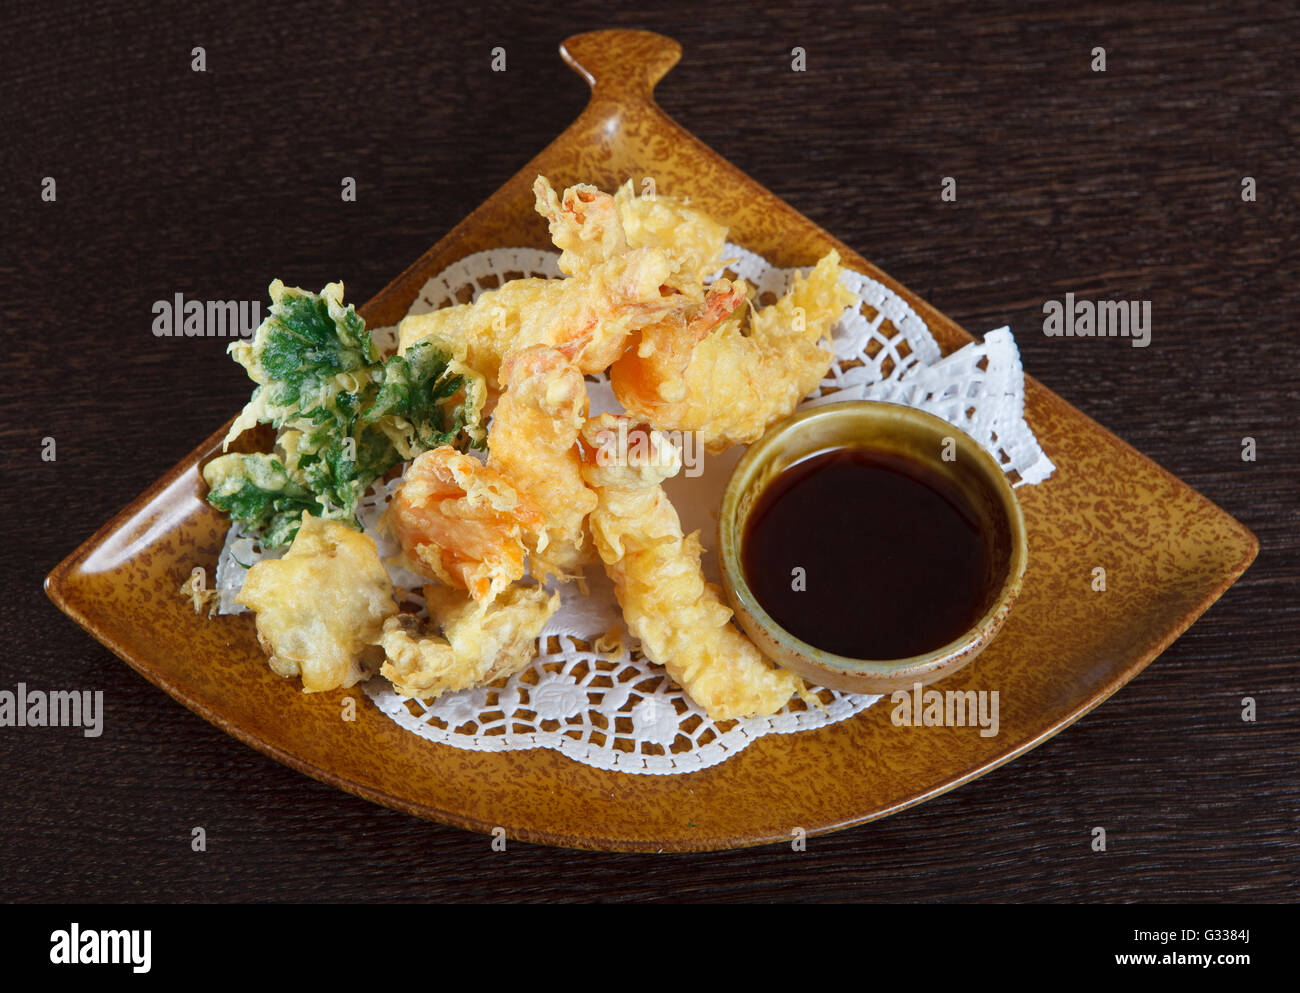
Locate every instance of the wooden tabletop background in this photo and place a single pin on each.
(1123, 184)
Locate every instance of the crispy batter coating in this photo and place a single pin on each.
(683, 358)
(631, 261)
(480, 641)
(736, 384)
(692, 239)
(587, 317)
(462, 523)
(533, 444)
(584, 224)
(591, 227)
(322, 606)
(681, 620)
(654, 369)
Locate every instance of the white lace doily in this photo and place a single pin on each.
(616, 710)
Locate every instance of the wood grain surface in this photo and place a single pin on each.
(1124, 184)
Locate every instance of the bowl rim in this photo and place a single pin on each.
(938, 659)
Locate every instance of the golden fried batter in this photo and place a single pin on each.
(587, 317)
(737, 384)
(462, 523)
(591, 227)
(480, 642)
(681, 620)
(683, 358)
(631, 261)
(533, 444)
(584, 225)
(322, 606)
(653, 372)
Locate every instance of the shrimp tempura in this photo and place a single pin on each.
(591, 227)
(656, 376)
(632, 260)
(681, 620)
(462, 523)
(533, 443)
(587, 317)
(736, 384)
(480, 641)
(584, 225)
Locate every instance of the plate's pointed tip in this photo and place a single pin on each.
(621, 64)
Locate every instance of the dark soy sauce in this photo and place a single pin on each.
(893, 558)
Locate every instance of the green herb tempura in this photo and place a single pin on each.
(344, 415)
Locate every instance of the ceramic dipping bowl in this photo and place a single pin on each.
(894, 430)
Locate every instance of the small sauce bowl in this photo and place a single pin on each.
(901, 432)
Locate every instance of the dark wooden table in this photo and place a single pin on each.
(1123, 184)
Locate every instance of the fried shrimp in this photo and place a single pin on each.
(681, 620)
(736, 384)
(322, 606)
(480, 641)
(533, 444)
(587, 317)
(461, 522)
(655, 375)
(692, 239)
(630, 260)
(590, 227)
(584, 225)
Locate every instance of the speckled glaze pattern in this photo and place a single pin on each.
(1167, 551)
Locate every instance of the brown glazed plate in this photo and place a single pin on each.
(1167, 551)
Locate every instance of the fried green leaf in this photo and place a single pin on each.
(257, 491)
(344, 415)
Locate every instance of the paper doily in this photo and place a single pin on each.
(618, 710)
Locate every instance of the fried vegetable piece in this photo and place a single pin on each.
(462, 523)
(737, 382)
(480, 641)
(533, 444)
(344, 415)
(322, 607)
(257, 491)
(681, 620)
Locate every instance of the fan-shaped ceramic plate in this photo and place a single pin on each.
(1064, 649)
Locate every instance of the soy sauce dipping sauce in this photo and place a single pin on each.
(892, 555)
